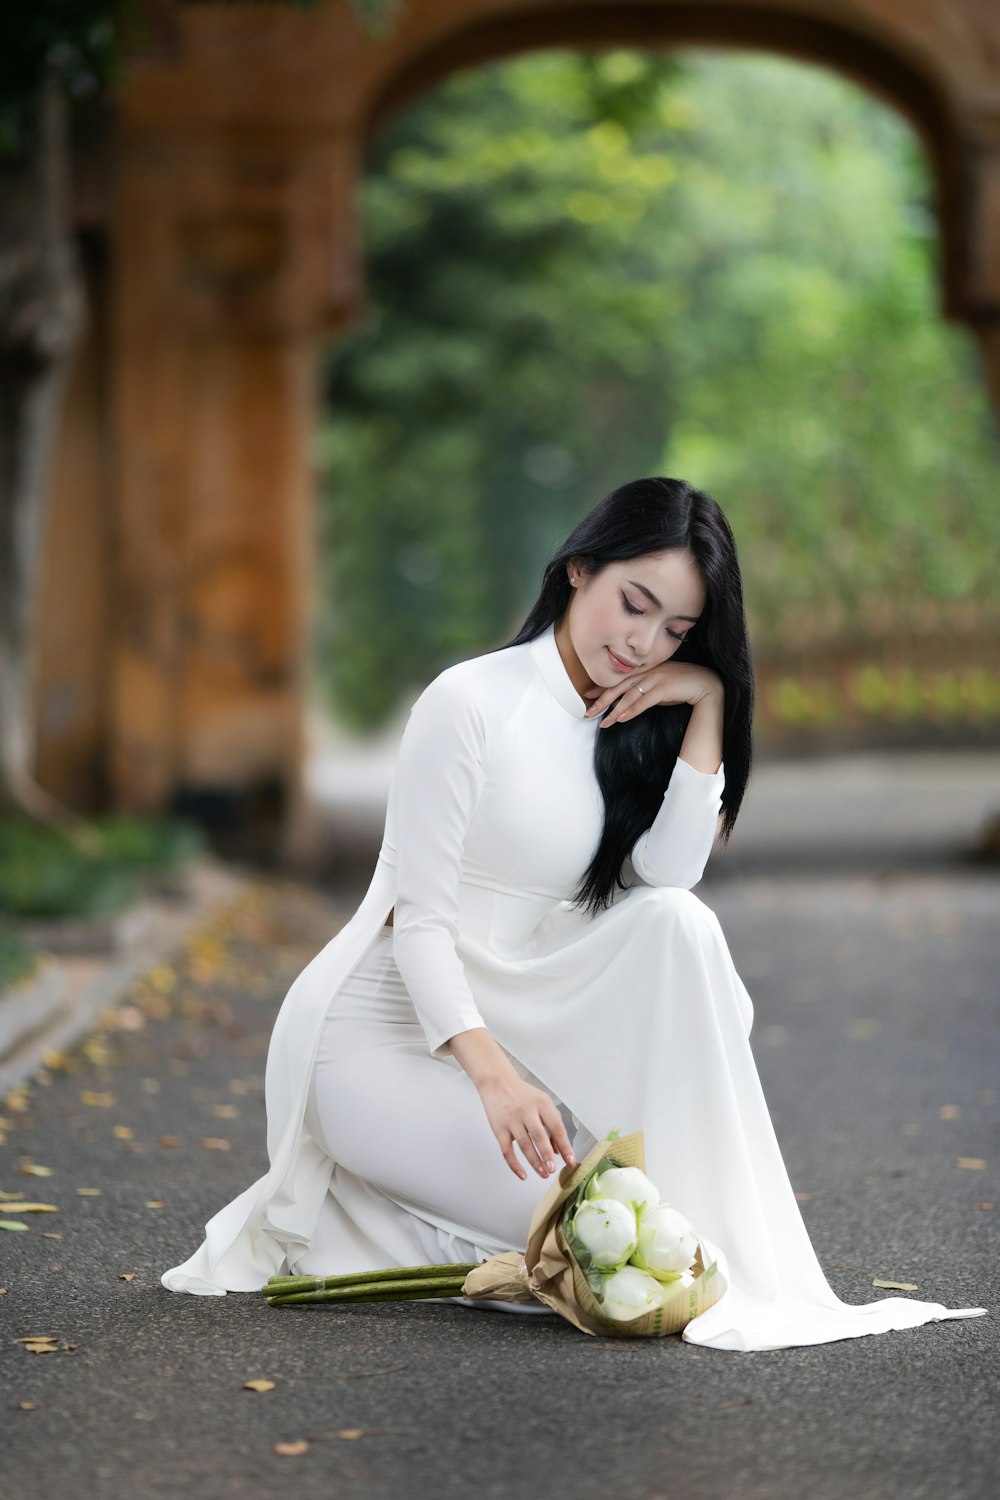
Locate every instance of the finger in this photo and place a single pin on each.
(629, 704)
(507, 1152)
(561, 1139)
(542, 1143)
(529, 1152)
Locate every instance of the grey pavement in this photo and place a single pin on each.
(869, 948)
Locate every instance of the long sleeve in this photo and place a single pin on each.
(437, 782)
(674, 850)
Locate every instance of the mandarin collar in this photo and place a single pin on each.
(545, 650)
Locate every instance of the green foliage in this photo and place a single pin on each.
(42, 873)
(583, 268)
(17, 960)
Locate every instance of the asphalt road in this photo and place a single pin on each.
(877, 1038)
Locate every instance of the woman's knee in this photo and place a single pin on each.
(680, 908)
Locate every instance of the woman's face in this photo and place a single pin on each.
(639, 610)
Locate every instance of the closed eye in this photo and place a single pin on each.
(631, 609)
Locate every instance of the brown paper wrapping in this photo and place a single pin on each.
(548, 1272)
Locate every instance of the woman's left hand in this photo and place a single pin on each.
(670, 682)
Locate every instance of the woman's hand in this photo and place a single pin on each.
(670, 682)
(517, 1111)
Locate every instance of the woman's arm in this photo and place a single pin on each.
(435, 788)
(437, 783)
(675, 849)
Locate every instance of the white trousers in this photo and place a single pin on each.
(419, 1171)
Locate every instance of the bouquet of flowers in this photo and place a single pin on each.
(603, 1251)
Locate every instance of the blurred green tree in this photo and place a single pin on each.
(582, 268)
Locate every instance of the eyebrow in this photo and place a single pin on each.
(653, 600)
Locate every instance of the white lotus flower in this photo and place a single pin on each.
(667, 1242)
(627, 1184)
(629, 1293)
(608, 1230)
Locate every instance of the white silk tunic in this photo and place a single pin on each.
(634, 1019)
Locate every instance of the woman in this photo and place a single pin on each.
(547, 974)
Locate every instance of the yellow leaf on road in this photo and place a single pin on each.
(973, 1163)
(31, 1170)
(259, 1385)
(292, 1450)
(898, 1286)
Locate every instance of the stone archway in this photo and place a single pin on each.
(235, 249)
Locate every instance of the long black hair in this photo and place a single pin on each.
(635, 760)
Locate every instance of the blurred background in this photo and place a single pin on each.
(323, 324)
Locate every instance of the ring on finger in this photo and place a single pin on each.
(638, 688)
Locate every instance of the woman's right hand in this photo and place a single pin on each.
(522, 1114)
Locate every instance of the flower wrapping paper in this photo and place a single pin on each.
(547, 1271)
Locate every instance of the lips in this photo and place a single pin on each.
(617, 662)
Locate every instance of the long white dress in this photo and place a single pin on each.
(380, 1150)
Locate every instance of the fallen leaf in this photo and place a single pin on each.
(898, 1286)
(37, 1208)
(225, 1111)
(50, 1234)
(154, 1203)
(3, 1291)
(986, 1206)
(40, 1348)
(973, 1163)
(37, 1338)
(124, 1132)
(803, 1197)
(11, 1224)
(738, 1401)
(291, 1450)
(126, 1275)
(30, 1169)
(214, 1143)
(90, 1192)
(259, 1385)
(949, 1112)
(10, 1197)
(169, 1141)
(27, 1406)
(96, 1099)
(347, 1433)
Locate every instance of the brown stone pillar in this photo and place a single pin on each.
(225, 281)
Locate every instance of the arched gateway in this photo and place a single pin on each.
(182, 511)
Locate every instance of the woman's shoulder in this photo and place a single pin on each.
(490, 681)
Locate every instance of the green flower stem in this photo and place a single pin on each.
(389, 1291)
(358, 1278)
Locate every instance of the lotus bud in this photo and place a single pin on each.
(607, 1229)
(630, 1293)
(627, 1184)
(667, 1242)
